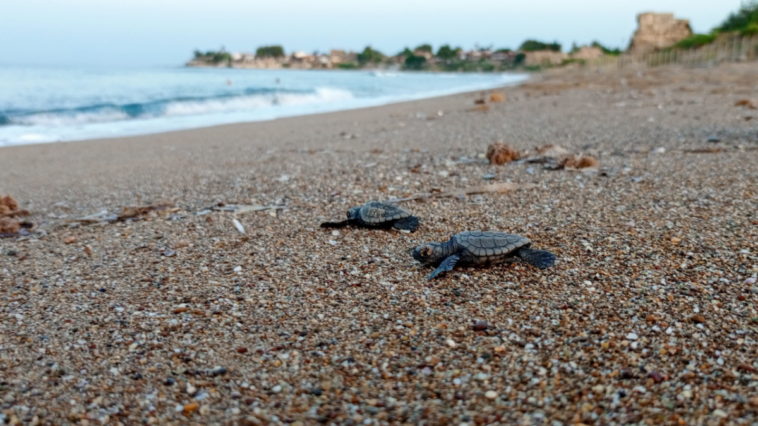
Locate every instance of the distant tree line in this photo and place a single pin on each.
(743, 22)
(212, 56)
(535, 46)
(270, 52)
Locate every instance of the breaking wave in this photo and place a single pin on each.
(248, 100)
(56, 104)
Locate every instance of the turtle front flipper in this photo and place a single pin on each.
(409, 223)
(342, 224)
(540, 258)
(446, 265)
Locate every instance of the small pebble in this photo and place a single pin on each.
(656, 376)
(480, 326)
(217, 371)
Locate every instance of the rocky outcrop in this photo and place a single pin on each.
(587, 52)
(545, 58)
(658, 31)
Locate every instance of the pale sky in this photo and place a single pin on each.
(165, 32)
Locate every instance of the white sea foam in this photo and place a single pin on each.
(38, 106)
(48, 119)
(255, 102)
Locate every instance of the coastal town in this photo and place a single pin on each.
(655, 31)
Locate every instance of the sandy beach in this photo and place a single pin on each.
(649, 315)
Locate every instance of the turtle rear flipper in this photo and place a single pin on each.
(342, 224)
(540, 258)
(410, 223)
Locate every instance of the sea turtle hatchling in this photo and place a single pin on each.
(480, 248)
(375, 214)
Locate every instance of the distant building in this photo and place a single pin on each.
(337, 56)
(424, 53)
(476, 55)
(503, 56)
(300, 56)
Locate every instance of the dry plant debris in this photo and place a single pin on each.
(709, 150)
(500, 153)
(497, 97)
(748, 103)
(480, 108)
(551, 154)
(552, 151)
(495, 188)
(9, 226)
(134, 212)
(578, 162)
(162, 208)
(239, 208)
(9, 207)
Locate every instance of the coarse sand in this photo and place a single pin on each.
(170, 317)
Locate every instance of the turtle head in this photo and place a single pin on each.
(428, 253)
(352, 214)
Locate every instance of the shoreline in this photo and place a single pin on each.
(327, 99)
(173, 317)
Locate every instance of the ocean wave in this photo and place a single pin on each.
(382, 74)
(251, 99)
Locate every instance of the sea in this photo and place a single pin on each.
(52, 104)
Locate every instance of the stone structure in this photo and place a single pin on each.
(544, 58)
(587, 52)
(658, 31)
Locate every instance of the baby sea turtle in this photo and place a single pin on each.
(480, 248)
(375, 214)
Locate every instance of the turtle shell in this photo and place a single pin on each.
(376, 213)
(487, 245)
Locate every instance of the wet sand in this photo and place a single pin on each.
(649, 314)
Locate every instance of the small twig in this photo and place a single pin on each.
(498, 188)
